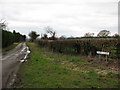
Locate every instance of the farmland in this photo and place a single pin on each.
(48, 69)
(59, 44)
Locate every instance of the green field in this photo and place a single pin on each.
(45, 69)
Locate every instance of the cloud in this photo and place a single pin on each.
(68, 17)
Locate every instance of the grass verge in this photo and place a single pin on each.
(9, 47)
(46, 69)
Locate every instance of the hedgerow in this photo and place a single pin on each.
(8, 38)
(87, 47)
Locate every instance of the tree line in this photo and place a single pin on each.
(9, 38)
(49, 31)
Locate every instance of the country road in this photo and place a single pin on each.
(11, 61)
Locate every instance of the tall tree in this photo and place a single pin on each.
(33, 35)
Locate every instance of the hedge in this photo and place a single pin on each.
(9, 38)
(87, 47)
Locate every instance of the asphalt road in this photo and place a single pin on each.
(11, 62)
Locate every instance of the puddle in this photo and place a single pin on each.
(26, 51)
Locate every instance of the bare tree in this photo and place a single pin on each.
(50, 31)
(3, 24)
(103, 33)
(88, 34)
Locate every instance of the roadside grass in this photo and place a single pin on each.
(9, 47)
(45, 69)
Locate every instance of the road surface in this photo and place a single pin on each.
(11, 61)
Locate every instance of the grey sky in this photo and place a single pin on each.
(66, 17)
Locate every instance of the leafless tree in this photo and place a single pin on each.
(88, 34)
(103, 33)
(3, 24)
(50, 31)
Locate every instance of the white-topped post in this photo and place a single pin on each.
(103, 53)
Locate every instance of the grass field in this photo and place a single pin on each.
(45, 69)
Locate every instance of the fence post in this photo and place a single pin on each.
(106, 58)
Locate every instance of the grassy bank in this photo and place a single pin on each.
(9, 47)
(45, 69)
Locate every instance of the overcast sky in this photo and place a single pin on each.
(66, 17)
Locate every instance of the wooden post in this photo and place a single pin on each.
(106, 58)
(99, 57)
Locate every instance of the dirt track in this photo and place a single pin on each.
(11, 61)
